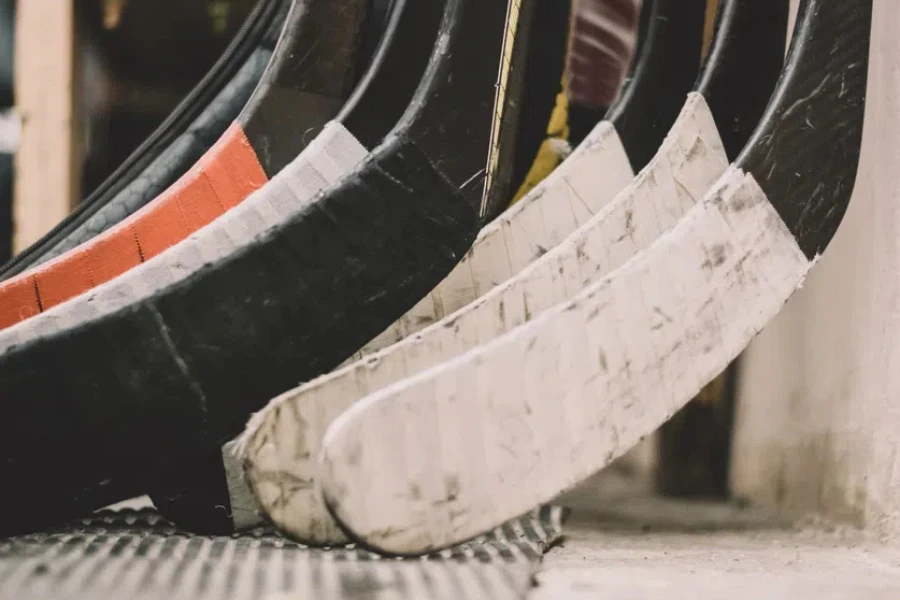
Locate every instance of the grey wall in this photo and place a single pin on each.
(818, 417)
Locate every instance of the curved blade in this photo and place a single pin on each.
(591, 376)
(310, 75)
(522, 244)
(196, 497)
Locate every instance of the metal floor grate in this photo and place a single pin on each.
(135, 554)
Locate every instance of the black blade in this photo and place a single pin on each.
(312, 73)
(743, 66)
(805, 152)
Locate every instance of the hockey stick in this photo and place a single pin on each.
(435, 458)
(196, 498)
(283, 438)
(274, 263)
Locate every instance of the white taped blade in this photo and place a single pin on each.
(559, 398)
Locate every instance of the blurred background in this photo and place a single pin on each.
(127, 64)
(138, 60)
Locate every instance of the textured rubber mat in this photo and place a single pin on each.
(136, 554)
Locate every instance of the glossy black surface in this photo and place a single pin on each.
(312, 73)
(665, 73)
(805, 153)
(395, 71)
(743, 66)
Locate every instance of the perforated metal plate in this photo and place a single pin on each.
(135, 554)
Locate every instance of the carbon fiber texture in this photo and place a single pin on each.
(136, 554)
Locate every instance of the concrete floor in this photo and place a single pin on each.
(622, 543)
(642, 548)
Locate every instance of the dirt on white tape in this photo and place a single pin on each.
(282, 441)
(462, 446)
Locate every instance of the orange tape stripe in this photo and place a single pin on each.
(226, 175)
